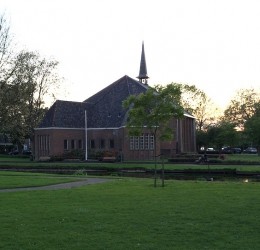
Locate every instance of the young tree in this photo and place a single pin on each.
(153, 111)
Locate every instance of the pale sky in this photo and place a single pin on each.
(213, 44)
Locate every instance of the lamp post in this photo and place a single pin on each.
(86, 135)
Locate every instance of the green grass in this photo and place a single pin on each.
(10, 162)
(18, 179)
(132, 214)
(244, 157)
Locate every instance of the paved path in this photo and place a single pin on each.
(68, 185)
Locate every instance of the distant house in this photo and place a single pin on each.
(98, 124)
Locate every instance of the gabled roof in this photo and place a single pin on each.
(65, 114)
(107, 110)
(104, 109)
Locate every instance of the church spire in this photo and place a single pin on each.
(143, 70)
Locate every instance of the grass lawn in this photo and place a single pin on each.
(132, 214)
(13, 161)
(19, 179)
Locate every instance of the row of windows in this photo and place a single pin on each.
(73, 144)
(77, 144)
(44, 142)
(143, 142)
(102, 143)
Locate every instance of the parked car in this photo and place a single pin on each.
(27, 152)
(236, 150)
(229, 150)
(226, 150)
(211, 151)
(14, 152)
(250, 150)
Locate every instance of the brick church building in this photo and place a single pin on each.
(98, 126)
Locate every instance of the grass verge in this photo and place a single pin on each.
(18, 179)
(131, 214)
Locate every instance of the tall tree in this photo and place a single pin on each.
(5, 54)
(5, 47)
(33, 79)
(242, 107)
(196, 102)
(26, 81)
(252, 127)
(153, 111)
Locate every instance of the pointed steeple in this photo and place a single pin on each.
(143, 70)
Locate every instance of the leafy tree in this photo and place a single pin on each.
(5, 54)
(33, 79)
(242, 107)
(201, 139)
(227, 134)
(196, 102)
(252, 127)
(153, 110)
(26, 81)
(5, 47)
(221, 134)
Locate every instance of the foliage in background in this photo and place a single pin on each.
(26, 80)
(252, 127)
(242, 107)
(197, 103)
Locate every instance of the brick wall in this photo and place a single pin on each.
(50, 142)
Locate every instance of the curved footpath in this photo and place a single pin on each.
(67, 185)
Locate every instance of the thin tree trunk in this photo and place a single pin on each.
(162, 171)
(155, 161)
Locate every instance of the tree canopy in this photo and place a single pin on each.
(252, 127)
(154, 109)
(242, 107)
(196, 102)
(26, 80)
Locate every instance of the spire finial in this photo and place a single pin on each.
(143, 70)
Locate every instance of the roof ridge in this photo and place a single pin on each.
(106, 90)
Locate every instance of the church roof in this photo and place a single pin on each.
(106, 105)
(104, 109)
(65, 114)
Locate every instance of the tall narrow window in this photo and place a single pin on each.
(131, 143)
(152, 142)
(66, 145)
(102, 143)
(146, 141)
(136, 142)
(72, 144)
(80, 144)
(92, 143)
(142, 142)
(111, 143)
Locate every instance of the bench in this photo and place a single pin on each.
(109, 158)
(44, 158)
